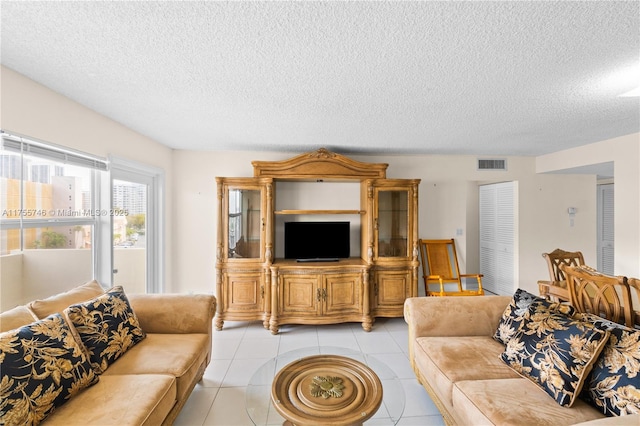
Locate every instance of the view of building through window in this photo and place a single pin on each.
(44, 204)
(129, 230)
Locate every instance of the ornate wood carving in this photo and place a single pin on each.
(320, 164)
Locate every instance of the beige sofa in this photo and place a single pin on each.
(151, 381)
(456, 359)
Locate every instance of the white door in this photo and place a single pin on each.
(605, 229)
(136, 230)
(497, 237)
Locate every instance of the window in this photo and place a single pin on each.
(49, 200)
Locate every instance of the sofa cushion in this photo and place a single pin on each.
(41, 368)
(614, 383)
(16, 318)
(446, 360)
(133, 399)
(513, 402)
(513, 316)
(555, 352)
(157, 354)
(59, 302)
(107, 326)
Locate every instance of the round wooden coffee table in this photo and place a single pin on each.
(262, 411)
(326, 390)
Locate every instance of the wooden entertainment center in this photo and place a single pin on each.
(252, 284)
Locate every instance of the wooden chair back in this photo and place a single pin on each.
(440, 267)
(604, 295)
(560, 257)
(556, 287)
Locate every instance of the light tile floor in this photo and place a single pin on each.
(242, 347)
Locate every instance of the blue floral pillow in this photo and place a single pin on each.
(554, 351)
(41, 367)
(107, 326)
(513, 316)
(614, 383)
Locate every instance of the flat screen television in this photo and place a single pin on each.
(326, 241)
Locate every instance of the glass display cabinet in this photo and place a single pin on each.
(244, 238)
(393, 243)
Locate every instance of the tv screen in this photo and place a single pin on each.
(316, 240)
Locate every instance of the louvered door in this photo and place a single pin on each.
(605, 229)
(497, 237)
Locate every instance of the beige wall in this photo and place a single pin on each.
(624, 152)
(448, 202)
(33, 110)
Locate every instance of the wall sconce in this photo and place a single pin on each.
(572, 214)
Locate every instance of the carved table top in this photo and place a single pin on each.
(326, 390)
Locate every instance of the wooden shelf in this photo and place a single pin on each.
(319, 212)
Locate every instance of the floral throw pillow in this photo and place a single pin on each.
(107, 326)
(513, 316)
(614, 383)
(41, 367)
(554, 351)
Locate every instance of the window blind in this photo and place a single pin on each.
(48, 151)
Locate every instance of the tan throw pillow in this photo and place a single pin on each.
(15, 318)
(107, 327)
(59, 302)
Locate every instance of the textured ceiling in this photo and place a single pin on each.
(491, 78)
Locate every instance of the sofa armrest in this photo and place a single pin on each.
(174, 313)
(454, 316)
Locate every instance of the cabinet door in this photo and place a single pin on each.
(390, 289)
(342, 294)
(300, 295)
(391, 228)
(245, 223)
(243, 293)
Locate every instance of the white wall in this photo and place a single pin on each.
(624, 152)
(448, 201)
(42, 275)
(33, 110)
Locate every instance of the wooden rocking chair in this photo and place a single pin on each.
(440, 267)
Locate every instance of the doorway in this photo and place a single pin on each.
(136, 235)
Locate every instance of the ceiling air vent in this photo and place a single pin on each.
(492, 164)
